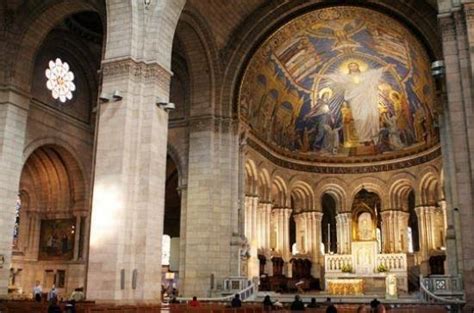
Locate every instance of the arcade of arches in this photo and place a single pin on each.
(309, 142)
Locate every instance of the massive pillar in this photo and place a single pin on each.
(13, 115)
(457, 33)
(128, 199)
(212, 209)
(131, 146)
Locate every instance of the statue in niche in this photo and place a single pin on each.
(366, 227)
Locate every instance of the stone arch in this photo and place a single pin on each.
(428, 189)
(371, 184)
(37, 27)
(279, 192)
(177, 159)
(52, 178)
(400, 187)
(303, 196)
(264, 185)
(251, 177)
(64, 145)
(201, 57)
(336, 188)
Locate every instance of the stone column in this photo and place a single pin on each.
(426, 227)
(77, 232)
(402, 231)
(315, 219)
(299, 222)
(267, 225)
(261, 225)
(212, 219)
(457, 34)
(128, 196)
(388, 240)
(253, 214)
(286, 213)
(248, 218)
(344, 232)
(14, 108)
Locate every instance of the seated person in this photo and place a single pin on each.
(297, 305)
(194, 303)
(313, 303)
(236, 303)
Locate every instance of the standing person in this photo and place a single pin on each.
(194, 303)
(331, 309)
(52, 294)
(54, 307)
(77, 295)
(236, 303)
(297, 305)
(37, 291)
(381, 308)
(374, 304)
(267, 304)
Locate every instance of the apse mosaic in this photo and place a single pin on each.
(339, 82)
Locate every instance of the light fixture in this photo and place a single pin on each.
(167, 106)
(115, 96)
(438, 68)
(147, 3)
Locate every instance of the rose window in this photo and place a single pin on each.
(60, 80)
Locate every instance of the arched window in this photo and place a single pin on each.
(413, 237)
(16, 229)
(328, 224)
(166, 250)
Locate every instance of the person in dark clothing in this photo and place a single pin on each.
(54, 307)
(297, 305)
(267, 304)
(236, 303)
(331, 309)
(313, 303)
(374, 304)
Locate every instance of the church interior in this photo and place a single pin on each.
(159, 149)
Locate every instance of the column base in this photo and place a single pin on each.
(316, 270)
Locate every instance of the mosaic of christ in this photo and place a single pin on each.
(341, 81)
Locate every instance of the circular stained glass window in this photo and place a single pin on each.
(60, 80)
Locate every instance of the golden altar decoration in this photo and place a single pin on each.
(342, 287)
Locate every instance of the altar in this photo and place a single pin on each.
(342, 287)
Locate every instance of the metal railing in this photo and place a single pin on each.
(439, 289)
(244, 294)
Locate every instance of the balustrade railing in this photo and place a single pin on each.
(393, 262)
(337, 262)
(441, 289)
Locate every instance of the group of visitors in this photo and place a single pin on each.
(298, 305)
(52, 297)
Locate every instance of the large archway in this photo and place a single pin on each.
(172, 227)
(51, 242)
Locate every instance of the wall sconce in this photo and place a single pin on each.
(438, 68)
(114, 97)
(167, 106)
(147, 3)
